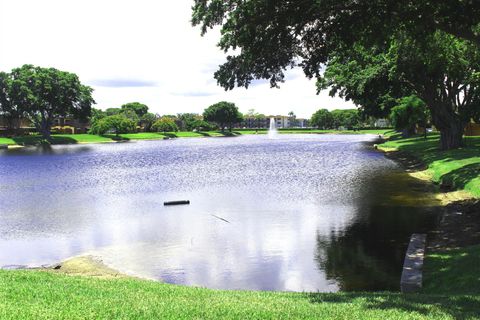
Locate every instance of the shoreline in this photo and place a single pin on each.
(184, 134)
(459, 226)
(82, 265)
(417, 169)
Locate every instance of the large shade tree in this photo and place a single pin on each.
(276, 35)
(224, 114)
(42, 94)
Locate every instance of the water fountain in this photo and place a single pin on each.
(272, 131)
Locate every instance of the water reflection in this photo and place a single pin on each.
(306, 213)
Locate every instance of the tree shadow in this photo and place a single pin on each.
(203, 133)
(457, 306)
(115, 137)
(35, 140)
(456, 267)
(459, 178)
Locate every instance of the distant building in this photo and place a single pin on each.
(281, 122)
(255, 123)
(472, 129)
(69, 125)
(302, 123)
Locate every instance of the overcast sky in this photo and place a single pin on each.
(142, 50)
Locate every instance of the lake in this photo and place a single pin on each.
(299, 213)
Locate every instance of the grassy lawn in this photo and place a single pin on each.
(458, 169)
(43, 295)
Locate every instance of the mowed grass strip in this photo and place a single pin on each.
(458, 169)
(43, 295)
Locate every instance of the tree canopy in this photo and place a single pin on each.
(165, 124)
(41, 94)
(140, 109)
(115, 123)
(375, 51)
(322, 119)
(276, 35)
(410, 111)
(223, 113)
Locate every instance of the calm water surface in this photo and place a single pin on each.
(300, 212)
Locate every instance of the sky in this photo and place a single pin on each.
(142, 50)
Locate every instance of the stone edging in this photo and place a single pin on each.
(411, 280)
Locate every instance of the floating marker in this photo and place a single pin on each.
(174, 203)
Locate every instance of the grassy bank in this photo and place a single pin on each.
(40, 295)
(90, 138)
(457, 169)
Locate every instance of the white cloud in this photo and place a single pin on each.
(143, 50)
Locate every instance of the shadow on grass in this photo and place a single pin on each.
(205, 134)
(428, 152)
(459, 178)
(38, 140)
(229, 133)
(115, 137)
(459, 307)
(457, 269)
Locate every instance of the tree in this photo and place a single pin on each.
(130, 114)
(139, 108)
(363, 76)
(224, 114)
(8, 110)
(201, 125)
(292, 119)
(322, 119)
(408, 113)
(272, 36)
(165, 124)
(445, 73)
(347, 118)
(45, 93)
(113, 111)
(116, 124)
(147, 121)
(187, 120)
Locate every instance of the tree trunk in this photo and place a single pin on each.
(451, 137)
(44, 129)
(45, 132)
(451, 127)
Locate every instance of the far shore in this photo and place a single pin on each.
(59, 139)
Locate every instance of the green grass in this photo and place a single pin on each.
(453, 271)
(43, 295)
(458, 168)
